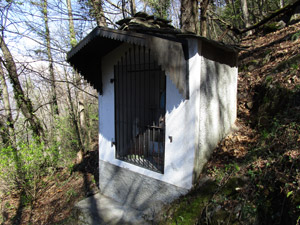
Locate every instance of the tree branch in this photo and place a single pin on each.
(64, 81)
(262, 22)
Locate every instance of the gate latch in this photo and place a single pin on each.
(113, 142)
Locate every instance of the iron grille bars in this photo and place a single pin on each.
(140, 96)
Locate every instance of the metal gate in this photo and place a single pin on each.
(140, 97)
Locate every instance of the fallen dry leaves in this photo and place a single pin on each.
(55, 198)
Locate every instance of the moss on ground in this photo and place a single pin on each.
(195, 208)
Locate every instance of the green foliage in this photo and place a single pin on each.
(187, 209)
(270, 27)
(295, 66)
(198, 206)
(87, 9)
(23, 166)
(73, 42)
(221, 172)
(269, 79)
(263, 187)
(6, 162)
(295, 36)
(67, 138)
(160, 8)
(274, 158)
(71, 193)
(232, 13)
(243, 68)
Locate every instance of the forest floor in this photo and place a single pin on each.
(56, 195)
(253, 176)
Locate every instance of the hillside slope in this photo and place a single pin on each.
(253, 176)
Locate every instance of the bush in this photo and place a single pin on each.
(23, 166)
(68, 140)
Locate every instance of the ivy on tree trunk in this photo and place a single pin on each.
(23, 102)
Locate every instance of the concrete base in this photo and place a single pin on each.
(98, 209)
(126, 198)
(136, 190)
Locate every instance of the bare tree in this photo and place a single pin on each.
(73, 116)
(82, 120)
(54, 104)
(23, 102)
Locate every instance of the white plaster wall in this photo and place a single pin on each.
(182, 123)
(182, 120)
(217, 111)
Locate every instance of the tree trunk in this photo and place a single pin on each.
(132, 7)
(82, 120)
(245, 11)
(71, 24)
(10, 134)
(203, 17)
(233, 7)
(23, 102)
(124, 9)
(261, 5)
(73, 116)
(4, 134)
(54, 103)
(281, 3)
(189, 18)
(253, 13)
(99, 14)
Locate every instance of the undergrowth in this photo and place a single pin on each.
(253, 176)
(258, 187)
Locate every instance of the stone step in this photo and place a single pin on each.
(99, 209)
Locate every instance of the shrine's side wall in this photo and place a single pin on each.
(218, 104)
